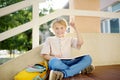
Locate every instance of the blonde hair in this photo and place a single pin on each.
(60, 21)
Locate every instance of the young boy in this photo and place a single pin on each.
(57, 50)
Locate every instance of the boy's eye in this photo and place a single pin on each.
(56, 28)
(61, 27)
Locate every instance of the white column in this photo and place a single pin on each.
(108, 27)
(71, 17)
(35, 29)
(119, 24)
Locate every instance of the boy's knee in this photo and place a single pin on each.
(53, 63)
(56, 64)
(88, 59)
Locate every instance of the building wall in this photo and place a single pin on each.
(86, 24)
(103, 48)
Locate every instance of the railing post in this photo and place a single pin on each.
(35, 28)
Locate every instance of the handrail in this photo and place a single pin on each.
(26, 26)
(17, 6)
(53, 15)
(15, 31)
(34, 24)
(73, 12)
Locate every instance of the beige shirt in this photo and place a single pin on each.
(59, 46)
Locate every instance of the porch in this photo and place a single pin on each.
(109, 72)
(104, 48)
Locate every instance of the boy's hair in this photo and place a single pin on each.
(60, 21)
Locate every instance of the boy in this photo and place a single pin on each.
(57, 50)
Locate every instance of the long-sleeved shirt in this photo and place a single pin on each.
(59, 46)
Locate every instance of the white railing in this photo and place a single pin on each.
(36, 21)
(30, 25)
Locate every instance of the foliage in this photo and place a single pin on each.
(4, 3)
(44, 12)
(21, 41)
(15, 19)
(44, 28)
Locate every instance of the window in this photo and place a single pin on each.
(116, 7)
(114, 26)
(111, 25)
(105, 26)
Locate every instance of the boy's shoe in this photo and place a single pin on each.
(88, 70)
(55, 75)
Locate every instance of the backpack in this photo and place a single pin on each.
(37, 72)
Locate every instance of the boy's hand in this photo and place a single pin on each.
(58, 55)
(72, 24)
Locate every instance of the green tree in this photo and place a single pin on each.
(45, 27)
(4, 3)
(21, 41)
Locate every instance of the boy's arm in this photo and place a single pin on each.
(79, 37)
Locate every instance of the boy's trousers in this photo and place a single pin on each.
(70, 67)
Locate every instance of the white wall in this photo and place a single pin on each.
(104, 48)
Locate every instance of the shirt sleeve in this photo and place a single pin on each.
(46, 47)
(74, 42)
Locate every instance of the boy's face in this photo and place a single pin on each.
(59, 29)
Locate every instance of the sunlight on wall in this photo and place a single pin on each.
(55, 4)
